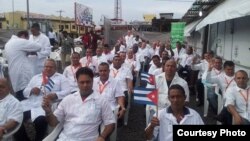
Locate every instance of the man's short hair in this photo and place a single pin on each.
(228, 64)
(156, 56)
(84, 71)
(104, 64)
(23, 32)
(176, 87)
(76, 53)
(36, 26)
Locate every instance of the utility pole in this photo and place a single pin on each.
(60, 13)
(28, 15)
(13, 14)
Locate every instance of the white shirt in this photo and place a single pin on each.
(176, 54)
(39, 60)
(81, 119)
(186, 60)
(52, 35)
(108, 56)
(239, 98)
(162, 87)
(122, 74)
(89, 62)
(134, 64)
(222, 80)
(157, 71)
(99, 60)
(202, 67)
(143, 53)
(70, 73)
(21, 69)
(60, 87)
(110, 90)
(167, 120)
(152, 68)
(10, 108)
(129, 41)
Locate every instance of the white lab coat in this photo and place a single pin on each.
(39, 60)
(20, 68)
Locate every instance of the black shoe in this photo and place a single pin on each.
(219, 118)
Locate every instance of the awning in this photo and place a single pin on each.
(229, 9)
(190, 28)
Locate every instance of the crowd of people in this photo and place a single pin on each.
(84, 97)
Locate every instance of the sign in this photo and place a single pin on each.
(83, 15)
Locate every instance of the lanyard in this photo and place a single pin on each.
(217, 72)
(245, 98)
(89, 60)
(102, 87)
(228, 83)
(114, 72)
(74, 70)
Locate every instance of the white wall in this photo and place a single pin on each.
(231, 41)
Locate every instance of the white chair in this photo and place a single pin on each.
(128, 108)
(54, 134)
(55, 55)
(78, 49)
(11, 133)
(206, 102)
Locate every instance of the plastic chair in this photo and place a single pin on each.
(11, 133)
(206, 102)
(55, 133)
(78, 49)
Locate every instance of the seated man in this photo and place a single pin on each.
(237, 99)
(81, 113)
(11, 113)
(50, 83)
(176, 113)
(70, 71)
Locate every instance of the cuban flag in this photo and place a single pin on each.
(145, 96)
(149, 79)
(47, 82)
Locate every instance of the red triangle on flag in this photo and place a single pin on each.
(153, 96)
(45, 78)
(151, 80)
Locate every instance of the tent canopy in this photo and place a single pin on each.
(190, 28)
(229, 9)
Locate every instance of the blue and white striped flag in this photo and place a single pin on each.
(145, 96)
(49, 86)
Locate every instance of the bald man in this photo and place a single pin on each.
(11, 113)
(237, 99)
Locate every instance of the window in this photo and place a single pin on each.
(66, 26)
(73, 27)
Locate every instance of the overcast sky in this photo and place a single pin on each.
(131, 9)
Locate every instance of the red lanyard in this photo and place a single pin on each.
(114, 72)
(102, 87)
(245, 98)
(228, 83)
(74, 70)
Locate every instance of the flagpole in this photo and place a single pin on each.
(157, 97)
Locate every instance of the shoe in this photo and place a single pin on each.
(219, 118)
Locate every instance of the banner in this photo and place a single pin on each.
(83, 15)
